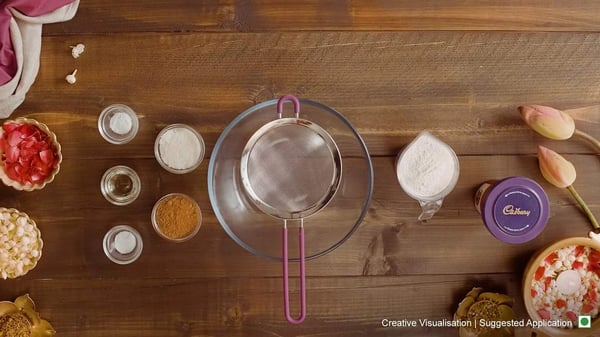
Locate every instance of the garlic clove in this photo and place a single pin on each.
(71, 79)
(77, 50)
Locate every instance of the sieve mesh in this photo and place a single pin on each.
(292, 168)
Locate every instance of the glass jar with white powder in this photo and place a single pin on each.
(118, 124)
(427, 170)
(122, 244)
(179, 148)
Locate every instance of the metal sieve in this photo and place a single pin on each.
(291, 168)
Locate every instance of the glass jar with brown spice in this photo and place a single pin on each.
(176, 217)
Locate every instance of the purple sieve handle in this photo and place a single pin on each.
(290, 98)
(286, 287)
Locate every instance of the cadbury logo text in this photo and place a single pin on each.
(511, 210)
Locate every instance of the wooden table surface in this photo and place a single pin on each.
(457, 68)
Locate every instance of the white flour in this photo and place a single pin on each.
(427, 166)
(179, 148)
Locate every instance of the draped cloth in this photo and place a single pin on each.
(20, 44)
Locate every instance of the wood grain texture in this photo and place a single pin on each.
(393, 68)
(96, 16)
(465, 86)
(253, 306)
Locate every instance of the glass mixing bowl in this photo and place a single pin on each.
(260, 233)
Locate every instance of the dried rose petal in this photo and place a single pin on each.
(28, 130)
(544, 314)
(14, 138)
(12, 154)
(591, 296)
(8, 127)
(12, 173)
(533, 292)
(594, 256)
(28, 153)
(539, 273)
(587, 308)
(36, 178)
(47, 156)
(550, 259)
(547, 282)
(28, 143)
(571, 315)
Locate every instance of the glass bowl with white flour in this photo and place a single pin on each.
(427, 170)
(179, 148)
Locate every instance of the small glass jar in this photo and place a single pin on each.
(514, 210)
(165, 200)
(122, 244)
(118, 124)
(179, 148)
(120, 185)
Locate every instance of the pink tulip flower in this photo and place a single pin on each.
(561, 173)
(555, 168)
(548, 122)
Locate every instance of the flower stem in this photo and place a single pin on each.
(589, 138)
(583, 205)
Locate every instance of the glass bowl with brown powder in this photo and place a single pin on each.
(176, 217)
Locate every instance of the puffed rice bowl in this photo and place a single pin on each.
(20, 243)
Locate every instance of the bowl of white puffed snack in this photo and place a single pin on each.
(20, 243)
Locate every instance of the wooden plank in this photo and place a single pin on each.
(464, 86)
(73, 217)
(253, 306)
(96, 16)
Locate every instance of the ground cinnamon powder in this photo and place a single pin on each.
(177, 216)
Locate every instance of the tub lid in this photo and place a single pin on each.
(516, 210)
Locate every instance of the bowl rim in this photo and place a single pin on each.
(39, 238)
(528, 276)
(32, 187)
(155, 222)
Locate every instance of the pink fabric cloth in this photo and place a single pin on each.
(32, 8)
